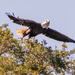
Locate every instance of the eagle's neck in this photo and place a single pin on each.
(45, 25)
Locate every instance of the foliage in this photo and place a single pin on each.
(28, 57)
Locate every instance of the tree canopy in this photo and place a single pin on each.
(29, 57)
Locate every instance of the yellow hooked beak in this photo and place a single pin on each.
(48, 21)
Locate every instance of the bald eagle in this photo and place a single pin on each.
(35, 28)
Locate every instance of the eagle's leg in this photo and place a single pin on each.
(28, 38)
(27, 32)
(23, 36)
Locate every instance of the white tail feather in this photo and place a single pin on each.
(20, 31)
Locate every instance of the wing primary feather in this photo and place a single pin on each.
(57, 35)
(24, 22)
(12, 17)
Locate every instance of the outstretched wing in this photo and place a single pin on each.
(24, 22)
(56, 35)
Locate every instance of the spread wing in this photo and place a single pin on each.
(24, 22)
(56, 35)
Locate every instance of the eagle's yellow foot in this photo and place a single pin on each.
(20, 38)
(27, 40)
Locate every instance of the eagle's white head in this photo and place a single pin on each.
(45, 24)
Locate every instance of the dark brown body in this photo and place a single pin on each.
(34, 31)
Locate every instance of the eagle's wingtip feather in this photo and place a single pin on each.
(73, 41)
(7, 13)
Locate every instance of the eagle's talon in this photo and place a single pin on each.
(27, 40)
(20, 38)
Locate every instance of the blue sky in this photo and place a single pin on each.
(61, 14)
